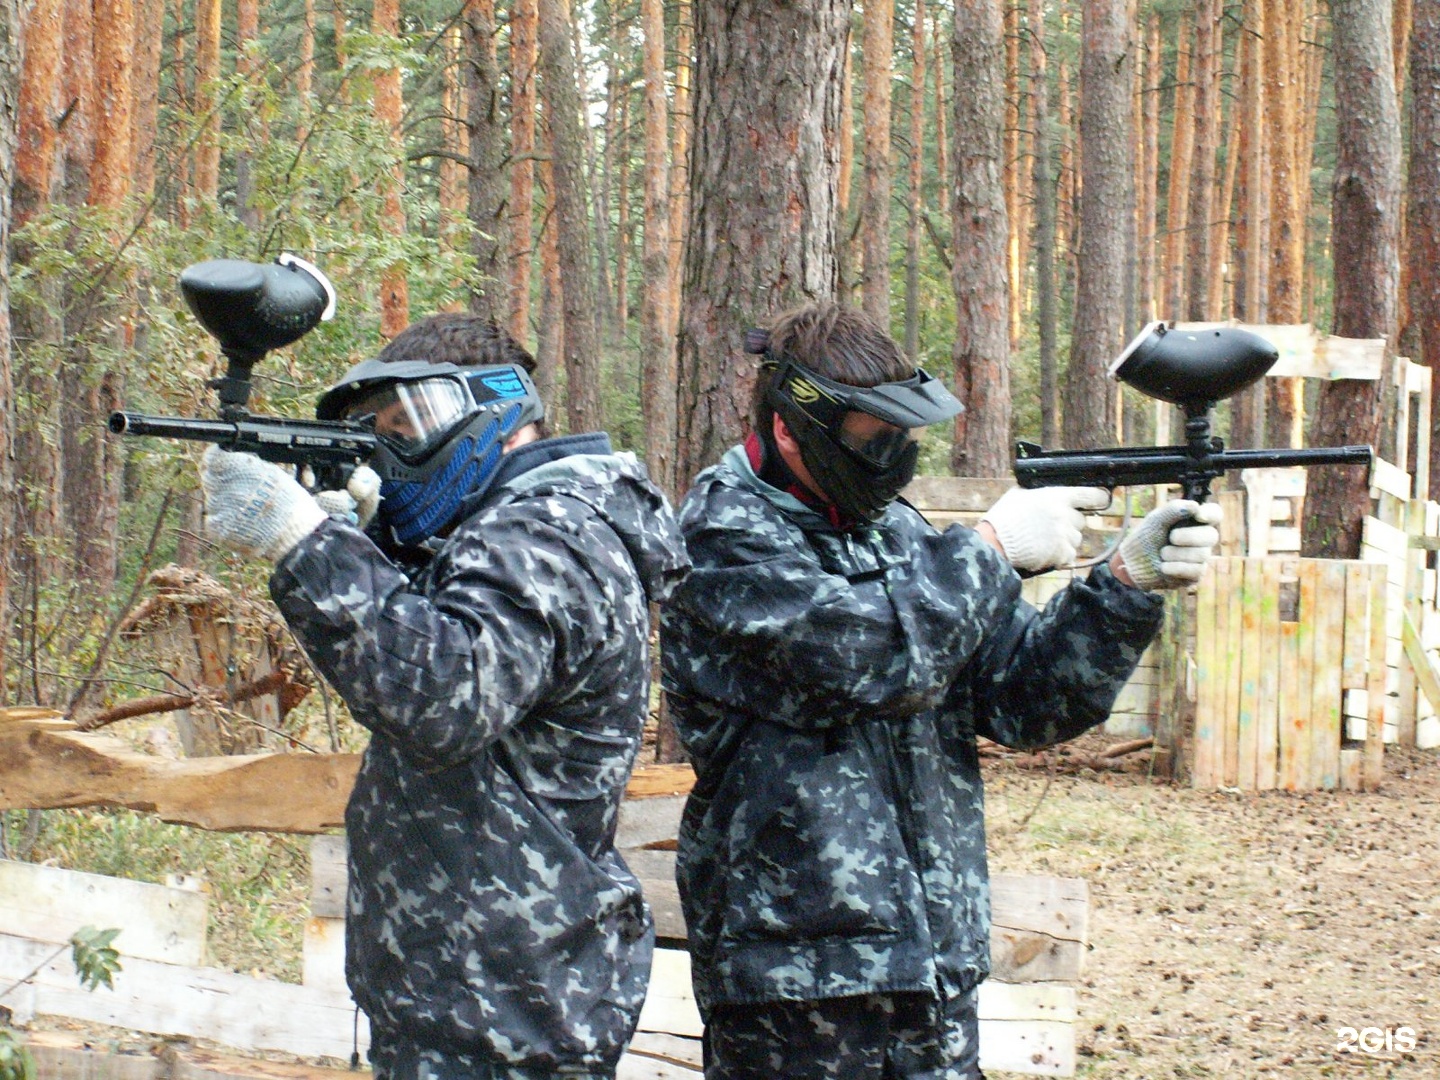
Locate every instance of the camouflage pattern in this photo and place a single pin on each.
(830, 686)
(492, 929)
(869, 1037)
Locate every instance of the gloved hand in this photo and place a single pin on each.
(1170, 546)
(358, 502)
(253, 506)
(1039, 528)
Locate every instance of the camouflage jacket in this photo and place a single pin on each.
(829, 686)
(491, 924)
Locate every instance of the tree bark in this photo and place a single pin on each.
(1247, 409)
(149, 40)
(657, 344)
(1148, 187)
(875, 210)
(1098, 333)
(389, 108)
(1182, 149)
(1365, 200)
(1011, 165)
(767, 104)
(524, 56)
(550, 339)
(1045, 195)
(11, 56)
(981, 234)
(1423, 200)
(207, 101)
(917, 180)
(1287, 226)
(1205, 111)
(561, 91)
(488, 185)
(680, 153)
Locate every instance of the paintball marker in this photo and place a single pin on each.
(1194, 370)
(251, 308)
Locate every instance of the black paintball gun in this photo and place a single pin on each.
(251, 308)
(1194, 370)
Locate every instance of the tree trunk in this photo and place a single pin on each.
(680, 153)
(1423, 201)
(942, 105)
(394, 287)
(550, 340)
(1045, 194)
(981, 233)
(247, 27)
(561, 91)
(1247, 409)
(875, 210)
(39, 472)
(1098, 333)
(11, 51)
(1148, 186)
(149, 38)
(657, 344)
(1011, 166)
(1205, 110)
(1287, 227)
(524, 55)
(1182, 149)
(1365, 197)
(622, 221)
(207, 99)
(849, 225)
(917, 180)
(488, 185)
(767, 104)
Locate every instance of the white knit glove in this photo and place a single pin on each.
(1039, 528)
(1170, 546)
(358, 502)
(253, 506)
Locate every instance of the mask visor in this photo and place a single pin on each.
(413, 417)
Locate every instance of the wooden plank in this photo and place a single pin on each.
(46, 903)
(1294, 749)
(1310, 600)
(1374, 765)
(1356, 647)
(656, 871)
(327, 875)
(1267, 707)
(1230, 643)
(1390, 479)
(235, 1010)
(323, 954)
(46, 764)
(1350, 769)
(1426, 675)
(1209, 695)
(1247, 731)
(670, 1002)
(1385, 538)
(1326, 685)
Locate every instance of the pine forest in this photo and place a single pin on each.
(1012, 187)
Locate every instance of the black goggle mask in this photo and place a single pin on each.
(870, 470)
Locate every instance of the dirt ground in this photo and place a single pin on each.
(1239, 935)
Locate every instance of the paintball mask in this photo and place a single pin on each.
(440, 431)
(861, 470)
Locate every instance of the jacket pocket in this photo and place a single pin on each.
(824, 859)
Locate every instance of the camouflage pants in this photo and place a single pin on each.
(870, 1037)
(394, 1058)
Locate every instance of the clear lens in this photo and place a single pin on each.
(414, 417)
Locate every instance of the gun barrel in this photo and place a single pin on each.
(285, 442)
(1123, 466)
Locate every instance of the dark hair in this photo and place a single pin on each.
(837, 342)
(457, 338)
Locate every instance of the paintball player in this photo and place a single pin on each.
(829, 664)
(493, 931)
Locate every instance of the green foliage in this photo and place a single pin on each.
(16, 1063)
(96, 961)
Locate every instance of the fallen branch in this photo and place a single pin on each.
(158, 703)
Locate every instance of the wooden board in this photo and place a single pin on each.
(46, 764)
(1247, 719)
(1267, 707)
(1209, 691)
(1326, 690)
(155, 922)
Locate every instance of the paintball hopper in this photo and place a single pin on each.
(251, 308)
(1193, 368)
